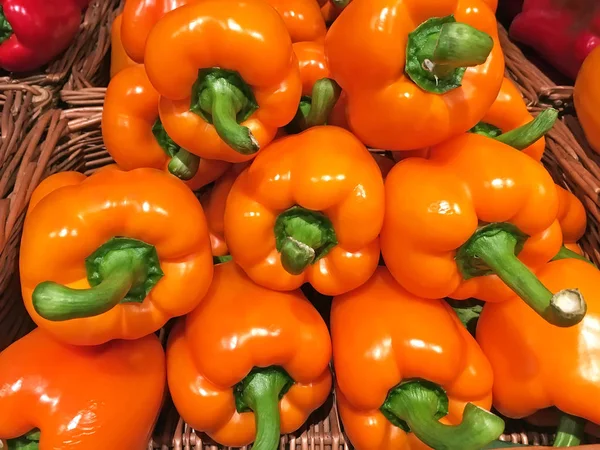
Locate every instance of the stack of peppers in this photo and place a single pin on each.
(264, 161)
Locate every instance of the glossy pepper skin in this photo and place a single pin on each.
(129, 128)
(509, 112)
(159, 267)
(313, 204)
(119, 59)
(248, 85)
(571, 216)
(366, 49)
(73, 394)
(302, 18)
(562, 32)
(270, 329)
(434, 241)
(526, 375)
(139, 16)
(33, 32)
(379, 339)
(586, 96)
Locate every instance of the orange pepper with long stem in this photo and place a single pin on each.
(252, 375)
(416, 73)
(320, 93)
(528, 376)
(479, 205)
(119, 59)
(507, 113)
(139, 17)
(408, 373)
(308, 209)
(135, 137)
(60, 396)
(227, 100)
(123, 252)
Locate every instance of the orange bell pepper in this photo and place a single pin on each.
(139, 17)
(572, 218)
(308, 209)
(331, 9)
(302, 18)
(320, 93)
(478, 205)
(119, 59)
(493, 4)
(123, 252)
(509, 112)
(403, 363)
(249, 376)
(537, 365)
(135, 137)
(416, 73)
(586, 96)
(227, 100)
(59, 396)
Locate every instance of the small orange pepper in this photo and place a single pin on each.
(571, 215)
(537, 365)
(320, 93)
(302, 18)
(509, 112)
(60, 396)
(139, 17)
(123, 252)
(248, 376)
(135, 137)
(586, 96)
(404, 364)
(478, 205)
(223, 101)
(493, 4)
(308, 209)
(119, 59)
(416, 73)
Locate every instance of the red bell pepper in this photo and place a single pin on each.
(33, 32)
(564, 32)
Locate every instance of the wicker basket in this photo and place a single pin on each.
(75, 142)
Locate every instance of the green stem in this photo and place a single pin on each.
(325, 94)
(340, 4)
(565, 253)
(486, 129)
(222, 98)
(6, 30)
(440, 50)
(122, 270)
(184, 165)
(29, 441)
(222, 259)
(302, 237)
(526, 135)
(570, 431)
(417, 406)
(493, 249)
(260, 392)
(502, 444)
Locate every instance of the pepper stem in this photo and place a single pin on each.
(184, 165)
(493, 249)
(486, 129)
(570, 431)
(29, 441)
(6, 30)
(340, 4)
(222, 98)
(439, 51)
(302, 237)
(316, 110)
(122, 270)
(566, 253)
(417, 406)
(260, 392)
(524, 136)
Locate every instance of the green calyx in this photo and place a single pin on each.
(340, 4)
(486, 129)
(183, 164)
(222, 98)
(29, 441)
(315, 110)
(468, 312)
(440, 50)
(570, 432)
(122, 270)
(6, 30)
(493, 249)
(417, 406)
(260, 391)
(222, 259)
(526, 135)
(565, 253)
(302, 237)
